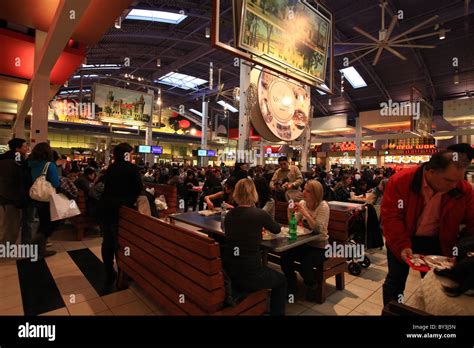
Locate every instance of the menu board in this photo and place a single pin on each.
(291, 36)
(282, 107)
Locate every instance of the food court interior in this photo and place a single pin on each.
(263, 142)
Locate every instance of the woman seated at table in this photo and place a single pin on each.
(227, 195)
(342, 190)
(314, 213)
(241, 254)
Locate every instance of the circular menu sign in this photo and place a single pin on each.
(284, 108)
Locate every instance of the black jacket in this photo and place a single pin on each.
(15, 180)
(122, 186)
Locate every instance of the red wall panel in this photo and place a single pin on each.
(17, 58)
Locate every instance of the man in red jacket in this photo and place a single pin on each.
(422, 210)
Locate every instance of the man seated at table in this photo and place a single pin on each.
(227, 195)
(241, 256)
(421, 212)
(313, 212)
(286, 181)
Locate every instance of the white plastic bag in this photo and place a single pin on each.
(161, 203)
(41, 190)
(62, 207)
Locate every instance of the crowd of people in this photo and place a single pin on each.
(435, 201)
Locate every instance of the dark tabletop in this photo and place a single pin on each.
(212, 224)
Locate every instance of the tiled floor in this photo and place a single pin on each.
(362, 294)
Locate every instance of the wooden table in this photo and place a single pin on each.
(212, 224)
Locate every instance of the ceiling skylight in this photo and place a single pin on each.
(196, 112)
(353, 76)
(321, 92)
(182, 81)
(156, 16)
(227, 106)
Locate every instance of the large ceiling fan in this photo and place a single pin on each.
(385, 41)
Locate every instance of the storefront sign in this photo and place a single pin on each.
(416, 147)
(351, 146)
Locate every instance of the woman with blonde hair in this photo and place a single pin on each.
(241, 252)
(313, 212)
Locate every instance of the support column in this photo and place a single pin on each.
(261, 160)
(205, 116)
(19, 126)
(306, 145)
(244, 117)
(107, 151)
(39, 109)
(149, 134)
(358, 138)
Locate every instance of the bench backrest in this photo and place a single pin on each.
(81, 201)
(171, 196)
(338, 227)
(179, 266)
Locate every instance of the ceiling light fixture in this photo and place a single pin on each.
(442, 34)
(118, 23)
(158, 62)
(456, 78)
(208, 33)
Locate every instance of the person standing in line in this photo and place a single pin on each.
(42, 157)
(13, 195)
(122, 186)
(422, 210)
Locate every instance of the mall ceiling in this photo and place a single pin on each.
(184, 48)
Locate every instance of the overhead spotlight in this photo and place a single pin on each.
(126, 76)
(442, 34)
(128, 83)
(132, 77)
(158, 62)
(456, 78)
(118, 23)
(208, 33)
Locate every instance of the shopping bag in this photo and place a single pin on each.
(62, 207)
(41, 190)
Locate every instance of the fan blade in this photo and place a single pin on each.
(391, 27)
(355, 50)
(395, 53)
(361, 56)
(413, 46)
(377, 56)
(366, 34)
(353, 43)
(415, 27)
(418, 37)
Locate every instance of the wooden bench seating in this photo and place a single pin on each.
(82, 222)
(332, 267)
(180, 269)
(171, 196)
